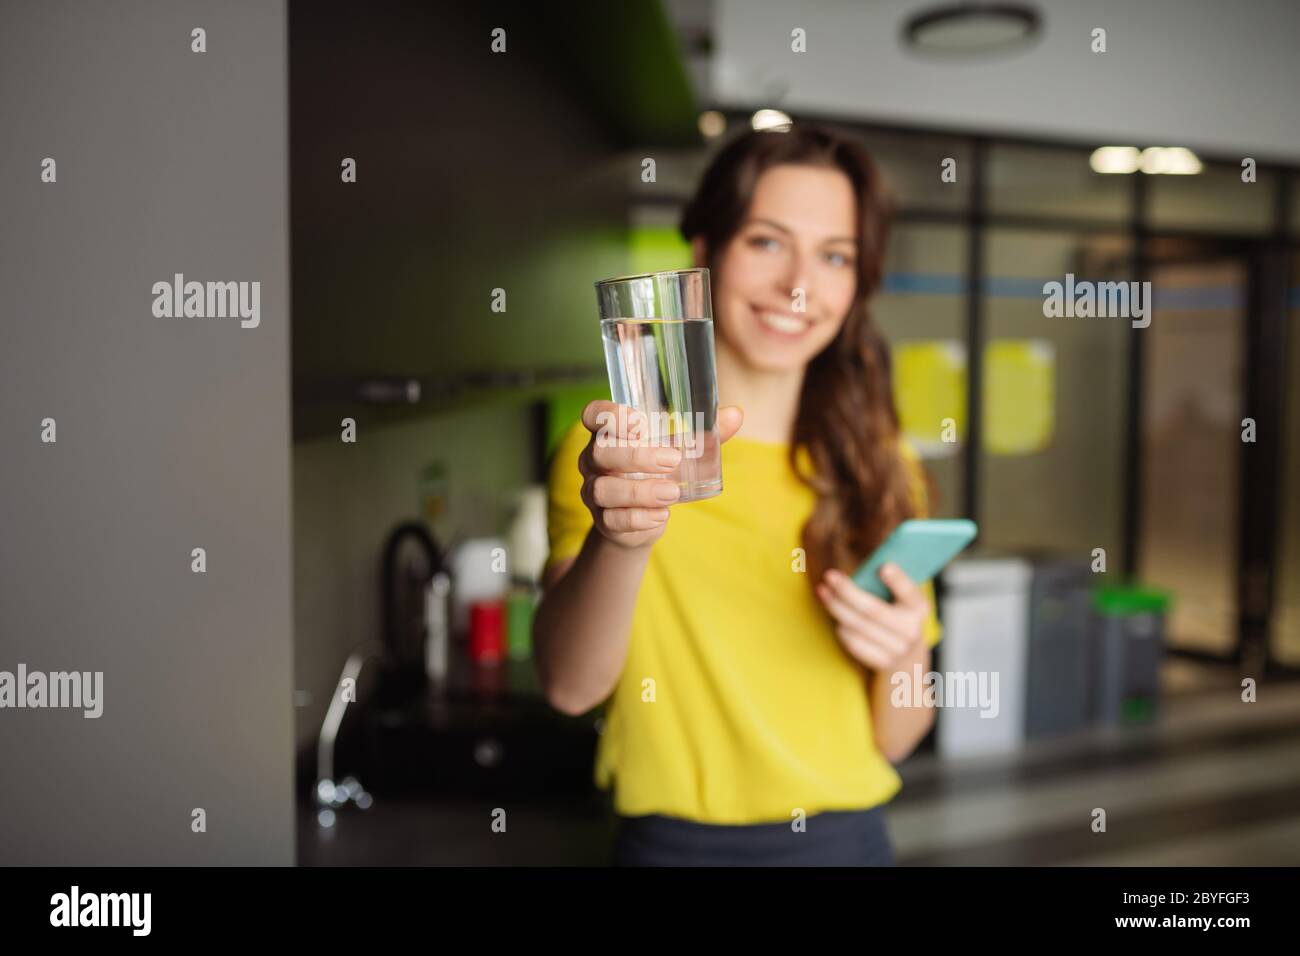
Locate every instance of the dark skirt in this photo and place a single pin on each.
(831, 838)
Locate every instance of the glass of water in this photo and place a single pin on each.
(658, 334)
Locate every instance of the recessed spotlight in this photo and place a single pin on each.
(712, 124)
(1170, 161)
(971, 29)
(1154, 160)
(771, 120)
(1115, 159)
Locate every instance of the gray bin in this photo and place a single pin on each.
(1060, 615)
(1127, 646)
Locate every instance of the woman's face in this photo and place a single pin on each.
(800, 233)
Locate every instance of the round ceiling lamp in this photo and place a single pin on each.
(972, 29)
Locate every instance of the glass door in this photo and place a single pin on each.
(1192, 383)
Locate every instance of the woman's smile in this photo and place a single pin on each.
(781, 324)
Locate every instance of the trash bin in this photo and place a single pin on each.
(1060, 613)
(985, 619)
(1128, 640)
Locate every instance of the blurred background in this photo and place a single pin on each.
(347, 684)
(1138, 559)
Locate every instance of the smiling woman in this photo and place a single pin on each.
(794, 225)
(745, 677)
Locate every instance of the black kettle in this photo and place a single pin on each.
(411, 559)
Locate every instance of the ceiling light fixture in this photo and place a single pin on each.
(1154, 160)
(1115, 160)
(712, 124)
(972, 29)
(771, 120)
(1170, 161)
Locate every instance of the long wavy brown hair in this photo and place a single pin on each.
(846, 418)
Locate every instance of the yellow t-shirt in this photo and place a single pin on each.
(736, 703)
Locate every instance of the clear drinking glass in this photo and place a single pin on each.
(658, 334)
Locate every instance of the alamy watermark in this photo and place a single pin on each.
(63, 689)
(950, 689)
(681, 430)
(1085, 299)
(74, 908)
(208, 300)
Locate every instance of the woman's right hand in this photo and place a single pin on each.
(632, 512)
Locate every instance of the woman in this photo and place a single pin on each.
(746, 678)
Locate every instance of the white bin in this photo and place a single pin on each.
(985, 648)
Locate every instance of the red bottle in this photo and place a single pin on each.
(486, 640)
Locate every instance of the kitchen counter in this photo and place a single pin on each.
(435, 831)
(438, 762)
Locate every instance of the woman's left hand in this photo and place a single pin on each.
(876, 633)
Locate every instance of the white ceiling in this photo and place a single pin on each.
(1222, 77)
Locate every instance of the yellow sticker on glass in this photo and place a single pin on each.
(930, 392)
(1019, 396)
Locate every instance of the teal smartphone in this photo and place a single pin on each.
(920, 547)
